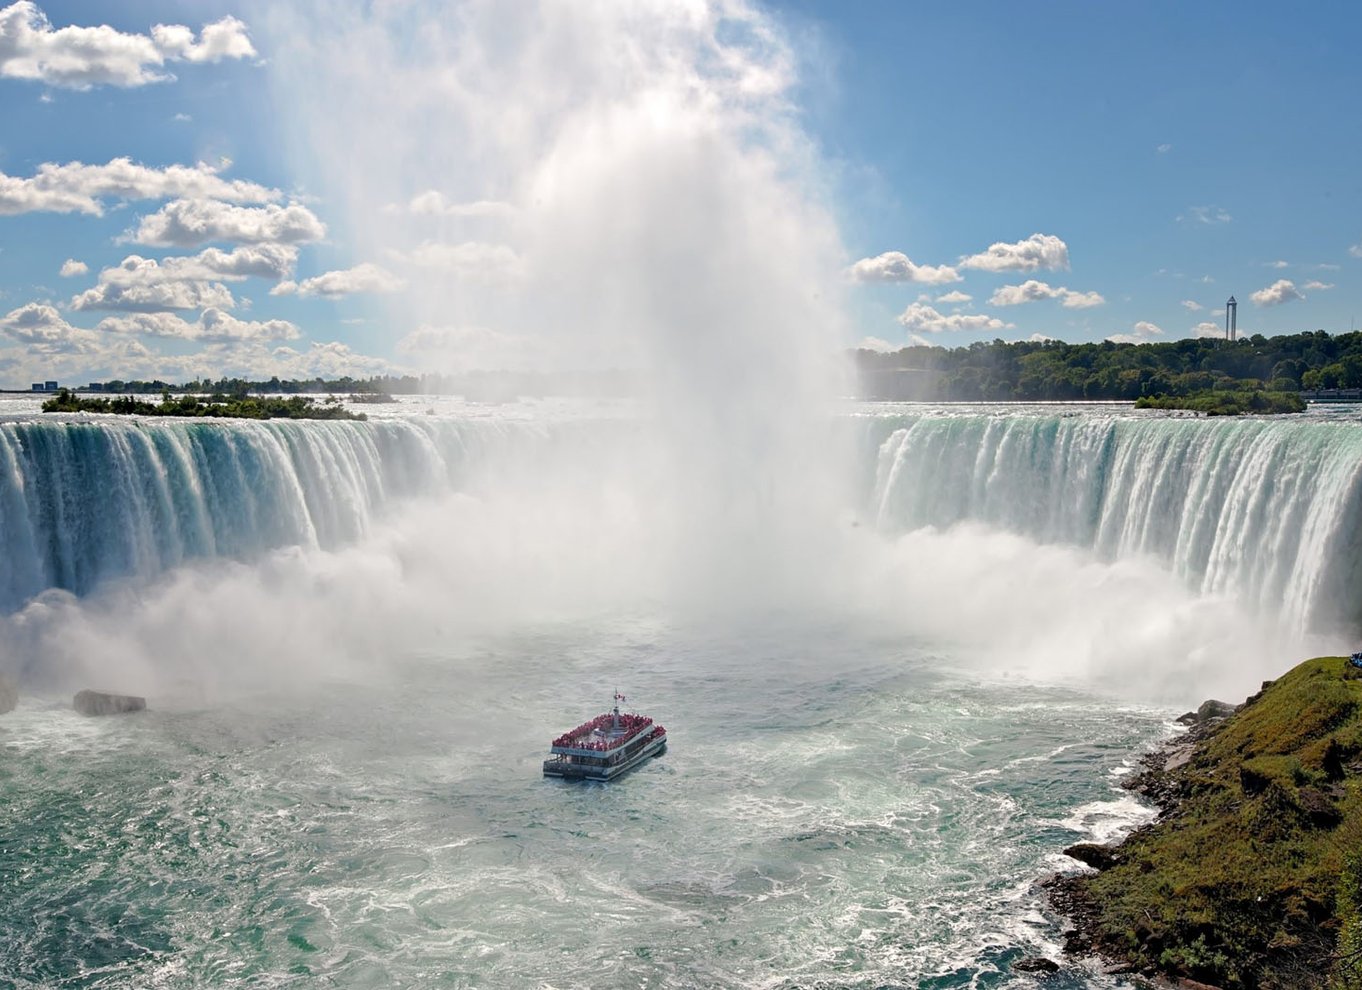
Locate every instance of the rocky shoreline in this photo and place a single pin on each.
(1236, 883)
(1154, 781)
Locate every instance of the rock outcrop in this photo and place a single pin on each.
(1251, 876)
(102, 703)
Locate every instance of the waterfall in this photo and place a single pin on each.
(1265, 510)
(85, 501)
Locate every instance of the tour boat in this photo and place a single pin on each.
(605, 747)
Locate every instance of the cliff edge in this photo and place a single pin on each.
(1251, 876)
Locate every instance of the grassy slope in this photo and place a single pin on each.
(1237, 884)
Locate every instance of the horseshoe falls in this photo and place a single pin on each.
(887, 713)
(1263, 510)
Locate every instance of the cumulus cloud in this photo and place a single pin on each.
(75, 57)
(1279, 263)
(954, 296)
(1205, 215)
(152, 296)
(1142, 332)
(1317, 286)
(922, 318)
(212, 325)
(1208, 329)
(140, 284)
(1191, 305)
(1281, 291)
(71, 267)
(261, 260)
(471, 259)
(1035, 252)
(1032, 290)
(365, 277)
(190, 222)
(35, 323)
(79, 188)
(1040, 338)
(895, 266)
(876, 344)
(433, 203)
(1163, 149)
(1355, 251)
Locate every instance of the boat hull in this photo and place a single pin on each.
(582, 771)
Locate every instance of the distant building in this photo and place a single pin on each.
(1231, 319)
(38, 387)
(95, 387)
(49, 386)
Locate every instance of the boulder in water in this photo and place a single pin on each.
(101, 703)
(9, 695)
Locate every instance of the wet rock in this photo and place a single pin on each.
(101, 703)
(1098, 856)
(1214, 709)
(9, 695)
(1035, 964)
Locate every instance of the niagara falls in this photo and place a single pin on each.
(929, 416)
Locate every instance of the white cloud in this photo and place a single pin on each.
(1192, 305)
(212, 325)
(895, 266)
(71, 267)
(1208, 329)
(877, 344)
(365, 277)
(189, 223)
(1143, 331)
(76, 57)
(1032, 290)
(471, 259)
(1279, 263)
(1281, 291)
(182, 118)
(1355, 251)
(433, 203)
(1037, 251)
(147, 297)
(923, 318)
(79, 188)
(1205, 215)
(1163, 149)
(1317, 286)
(1040, 338)
(955, 296)
(35, 323)
(146, 285)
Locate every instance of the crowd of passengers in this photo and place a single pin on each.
(630, 724)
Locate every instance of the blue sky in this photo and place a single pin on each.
(1133, 165)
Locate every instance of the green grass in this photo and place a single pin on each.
(218, 406)
(1239, 886)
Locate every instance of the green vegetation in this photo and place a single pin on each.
(244, 407)
(1054, 370)
(1227, 403)
(1253, 878)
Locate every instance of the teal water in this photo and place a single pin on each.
(833, 812)
(889, 703)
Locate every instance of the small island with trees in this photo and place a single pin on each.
(216, 405)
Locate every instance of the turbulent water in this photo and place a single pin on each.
(845, 803)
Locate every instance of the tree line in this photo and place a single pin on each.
(1054, 370)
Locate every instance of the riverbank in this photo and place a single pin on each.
(1249, 878)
